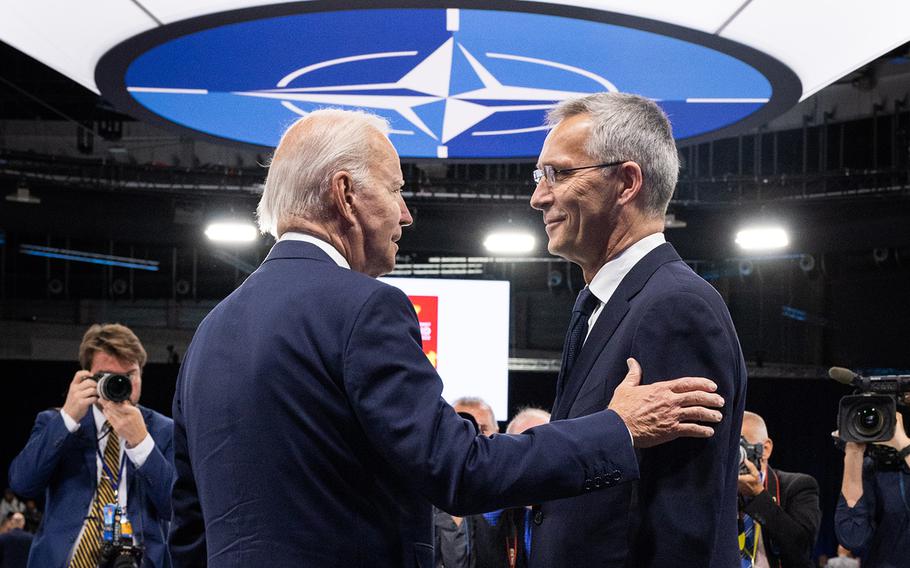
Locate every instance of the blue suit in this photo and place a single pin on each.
(310, 430)
(683, 511)
(63, 466)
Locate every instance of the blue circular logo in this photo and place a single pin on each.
(453, 83)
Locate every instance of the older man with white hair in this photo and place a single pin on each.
(309, 424)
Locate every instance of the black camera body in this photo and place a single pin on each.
(114, 387)
(750, 452)
(121, 554)
(867, 417)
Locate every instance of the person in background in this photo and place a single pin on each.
(872, 517)
(10, 504)
(15, 543)
(94, 452)
(779, 510)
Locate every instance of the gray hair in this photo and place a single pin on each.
(629, 127)
(311, 151)
(475, 402)
(525, 415)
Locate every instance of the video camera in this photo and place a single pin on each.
(871, 415)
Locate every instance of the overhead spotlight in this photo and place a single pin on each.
(762, 238)
(511, 242)
(231, 232)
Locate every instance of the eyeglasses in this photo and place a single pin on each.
(550, 172)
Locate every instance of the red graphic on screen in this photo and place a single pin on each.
(427, 308)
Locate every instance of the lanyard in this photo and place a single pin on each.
(115, 481)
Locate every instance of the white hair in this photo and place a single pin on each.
(311, 151)
(629, 127)
(524, 416)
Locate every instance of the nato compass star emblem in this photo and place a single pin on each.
(449, 85)
(429, 81)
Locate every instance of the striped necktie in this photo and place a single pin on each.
(86, 555)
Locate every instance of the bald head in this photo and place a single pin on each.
(17, 521)
(481, 411)
(527, 419)
(754, 428)
(310, 153)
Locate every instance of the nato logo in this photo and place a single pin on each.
(453, 83)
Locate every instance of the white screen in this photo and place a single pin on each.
(472, 336)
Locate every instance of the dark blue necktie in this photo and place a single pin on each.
(575, 337)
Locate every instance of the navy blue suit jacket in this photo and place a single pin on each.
(63, 466)
(683, 510)
(310, 430)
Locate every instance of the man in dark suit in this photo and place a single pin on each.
(309, 425)
(94, 452)
(779, 510)
(15, 543)
(605, 176)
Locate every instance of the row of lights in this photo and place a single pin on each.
(755, 239)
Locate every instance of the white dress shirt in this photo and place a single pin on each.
(326, 247)
(607, 279)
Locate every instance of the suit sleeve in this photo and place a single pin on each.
(794, 529)
(855, 525)
(186, 536)
(396, 396)
(157, 473)
(684, 483)
(31, 471)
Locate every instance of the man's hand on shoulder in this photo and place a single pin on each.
(666, 410)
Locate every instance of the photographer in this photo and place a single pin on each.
(779, 510)
(95, 453)
(873, 512)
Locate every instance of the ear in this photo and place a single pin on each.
(341, 193)
(630, 175)
(769, 447)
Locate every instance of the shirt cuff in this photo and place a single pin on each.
(142, 451)
(68, 421)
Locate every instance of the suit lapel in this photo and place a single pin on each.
(610, 317)
(88, 443)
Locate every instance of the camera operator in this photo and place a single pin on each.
(96, 454)
(779, 510)
(873, 512)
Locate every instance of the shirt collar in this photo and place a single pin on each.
(607, 279)
(326, 247)
(99, 419)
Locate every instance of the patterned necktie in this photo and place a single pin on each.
(86, 555)
(575, 337)
(747, 542)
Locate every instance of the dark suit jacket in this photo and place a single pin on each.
(310, 430)
(63, 466)
(790, 523)
(683, 510)
(14, 547)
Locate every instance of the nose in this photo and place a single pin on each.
(405, 219)
(542, 197)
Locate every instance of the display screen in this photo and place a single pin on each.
(464, 325)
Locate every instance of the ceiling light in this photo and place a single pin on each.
(231, 232)
(762, 238)
(509, 242)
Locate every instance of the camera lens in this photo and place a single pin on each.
(868, 420)
(115, 388)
